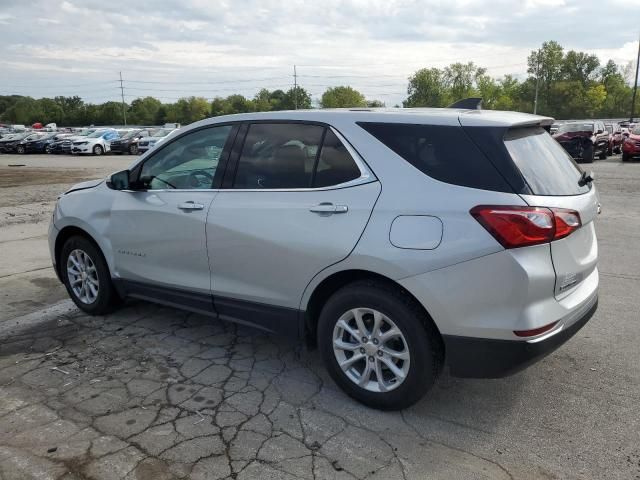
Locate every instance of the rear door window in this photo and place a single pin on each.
(546, 167)
(335, 164)
(293, 156)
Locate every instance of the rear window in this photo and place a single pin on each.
(546, 167)
(445, 153)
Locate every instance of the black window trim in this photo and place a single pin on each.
(366, 174)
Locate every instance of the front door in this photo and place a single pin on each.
(297, 204)
(158, 230)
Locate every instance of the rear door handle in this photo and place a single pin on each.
(329, 208)
(190, 206)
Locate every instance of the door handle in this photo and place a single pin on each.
(190, 206)
(329, 208)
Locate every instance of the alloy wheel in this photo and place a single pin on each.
(371, 350)
(83, 276)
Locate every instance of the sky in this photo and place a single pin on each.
(174, 48)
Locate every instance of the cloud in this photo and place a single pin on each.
(201, 46)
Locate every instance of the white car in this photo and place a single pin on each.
(147, 143)
(95, 143)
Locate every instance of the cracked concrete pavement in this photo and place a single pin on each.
(153, 393)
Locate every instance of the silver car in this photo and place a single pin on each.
(397, 241)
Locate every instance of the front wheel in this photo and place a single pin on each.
(378, 345)
(603, 153)
(588, 154)
(98, 150)
(133, 149)
(20, 149)
(86, 276)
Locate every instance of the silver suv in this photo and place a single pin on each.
(397, 241)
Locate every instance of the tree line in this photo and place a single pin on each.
(570, 84)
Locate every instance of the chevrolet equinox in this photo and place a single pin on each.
(397, 241)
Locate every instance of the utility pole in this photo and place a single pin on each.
(535, 100)
(124, 108)
(295, 88)
(635, 85)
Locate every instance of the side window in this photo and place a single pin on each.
(190, 162)
(335, 165)
(278, 155)
(445, 153)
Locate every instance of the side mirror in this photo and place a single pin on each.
(599, 131)
(119, 180)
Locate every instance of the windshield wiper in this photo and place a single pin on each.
(586, 178)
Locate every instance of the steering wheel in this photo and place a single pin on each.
(196, 180)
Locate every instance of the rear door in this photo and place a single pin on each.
(554, 180)
(296, 201)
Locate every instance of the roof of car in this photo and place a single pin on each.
(439, 116)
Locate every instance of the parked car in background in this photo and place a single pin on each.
(36, 143)
(64, 143)
(615, 137)
(147, 143)
(9, 143)
(371, 234)
(96, 143)
(584, 140)
(631, 145)
(128, 143)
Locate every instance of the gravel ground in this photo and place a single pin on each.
(154, 393)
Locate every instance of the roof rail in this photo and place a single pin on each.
(471, 103)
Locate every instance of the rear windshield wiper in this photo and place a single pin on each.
(586, 178)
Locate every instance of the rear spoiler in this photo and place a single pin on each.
(471, 103)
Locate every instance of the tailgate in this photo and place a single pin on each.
(554, 181)
(574, 257)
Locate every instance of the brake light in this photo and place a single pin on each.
(516, 227)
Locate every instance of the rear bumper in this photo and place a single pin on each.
(471, 357)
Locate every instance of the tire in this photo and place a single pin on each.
(625, 157)
(20, 149)
(419, 340)
(103, 298)
(610, 150)
(603, 153)
(133, 149)
(98, 150)
(588, 154)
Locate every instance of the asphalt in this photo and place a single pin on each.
(154, 393)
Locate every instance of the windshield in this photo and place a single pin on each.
(575, 127)
(97, 134)
(130, 134)
(546, 167)
(162, 132)
(85, 133)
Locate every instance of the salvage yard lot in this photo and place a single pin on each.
(152, 393)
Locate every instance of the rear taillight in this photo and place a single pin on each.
(517, 227)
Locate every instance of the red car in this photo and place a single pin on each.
(631, 145)
(615, 137)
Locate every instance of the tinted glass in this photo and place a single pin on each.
(186, 163)
(335, 165)
(441, 152)
(544, 164)
(278, 156)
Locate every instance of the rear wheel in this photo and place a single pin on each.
(86, 276)
(588, 154)
(133, 149)
(625, 157)
(603, 153)
(378, 345)
(20, 149)
(97, 150)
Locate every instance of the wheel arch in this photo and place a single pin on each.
(65, 234)
(332, 283)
